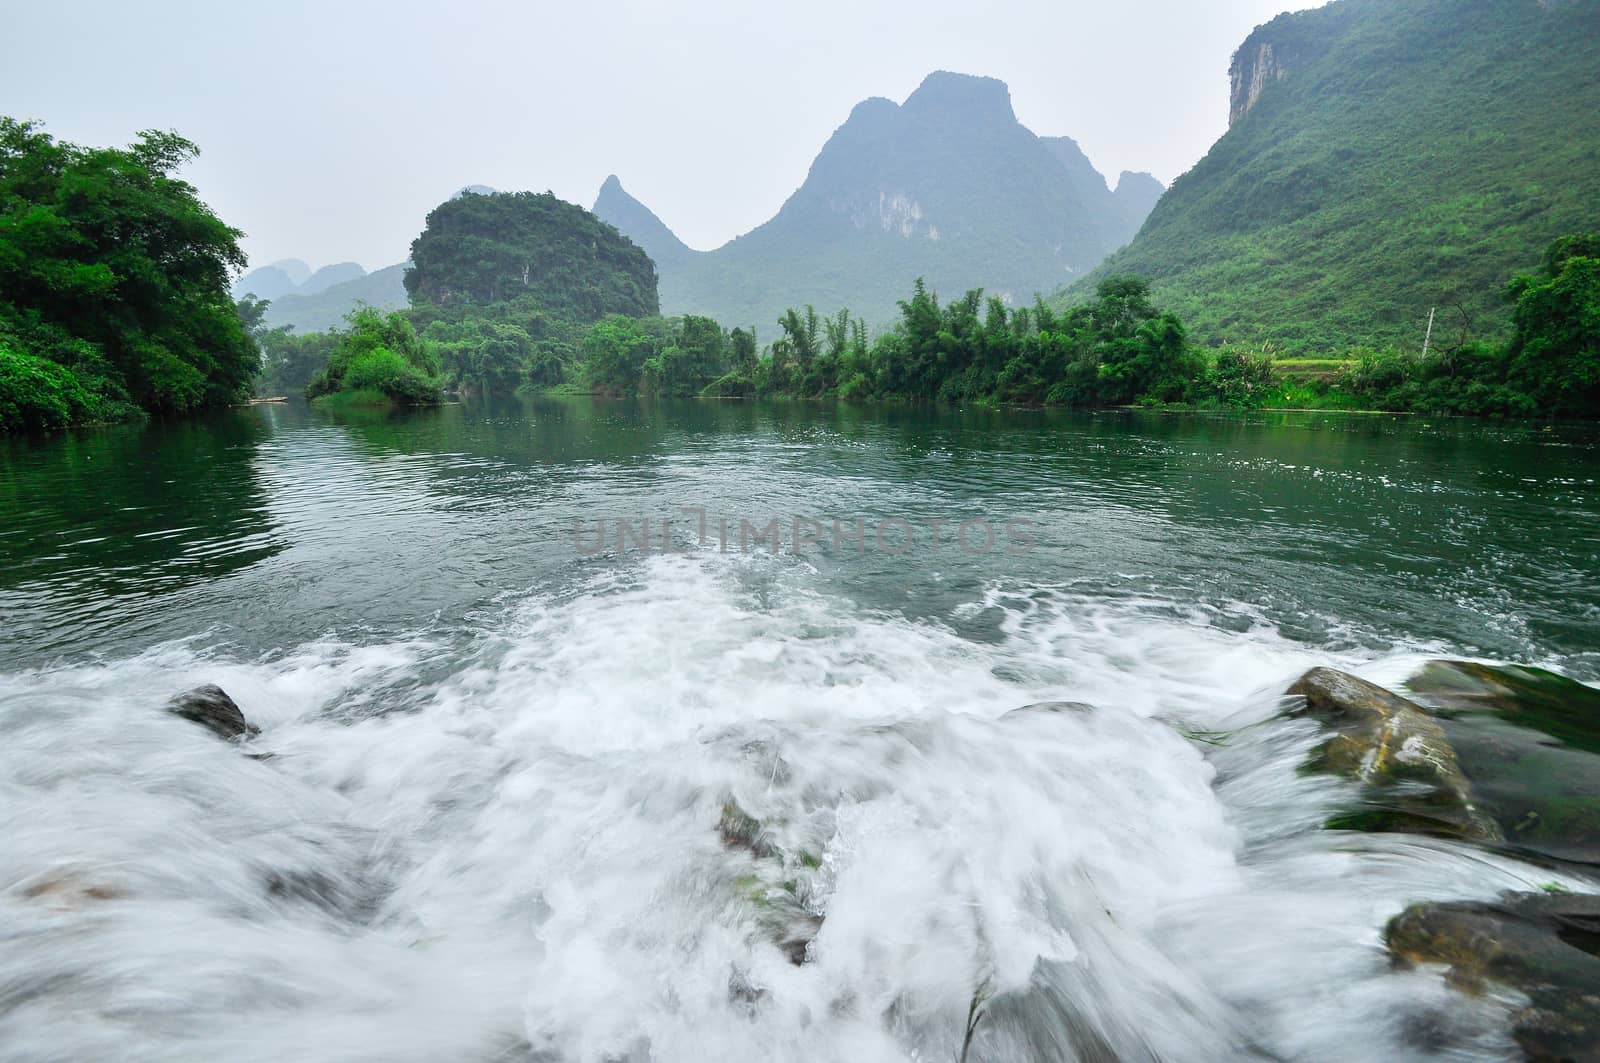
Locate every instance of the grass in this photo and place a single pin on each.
(365, 398)
(1304, 369)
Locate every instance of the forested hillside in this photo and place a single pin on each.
(1385, 157)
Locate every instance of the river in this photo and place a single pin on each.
(519, 664)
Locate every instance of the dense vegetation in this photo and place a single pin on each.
(1412, 155)
(502, 289)
(113, 284)
(378, 357)
(947, 185)
(518, 251)
(1117, 348)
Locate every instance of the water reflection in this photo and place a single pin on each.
(99, 523)
(277, 524)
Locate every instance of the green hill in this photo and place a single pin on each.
(529, 250)
(1384, 157)
(947, 185)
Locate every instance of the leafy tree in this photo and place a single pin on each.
(36, 393)
(381, 353)
(697, 355)
(112, 268)
(614, 354)
(485, 355)
(1555, 351)
(289, 362)
(252, 315)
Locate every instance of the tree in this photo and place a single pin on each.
(1555, 351)
(114, 269)
(489, 356)
(697, 355)
(614, 354)
(289, 363)
(378, 352)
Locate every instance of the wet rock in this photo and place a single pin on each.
(212, 708)
(1528, 740)
(1077, 708)
(1562, 708)
(1545, 945)
(740, 830)
(68, 890)
(1415, 783)
(778, 887)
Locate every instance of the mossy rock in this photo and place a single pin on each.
(777, 885)
(1413, 781)
(1535, 698)
(1527, 738)
(1544, 945)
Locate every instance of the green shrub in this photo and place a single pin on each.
(380, 353)
(1237, 379)
(36, 393)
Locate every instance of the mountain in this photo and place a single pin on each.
(525, 252)
(268, 282)
(319, 311)
(948, 186)
(1384, 157)
(273, 279)
(328, 276)
(635, 221)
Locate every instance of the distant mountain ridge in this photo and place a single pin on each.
(320, 300)
(948, 186)
(319, 311)
(1384, 158)
(317, 301)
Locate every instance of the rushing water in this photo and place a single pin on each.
(502, 734)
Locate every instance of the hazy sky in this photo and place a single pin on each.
(329, 129)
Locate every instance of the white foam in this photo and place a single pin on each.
(524, 855)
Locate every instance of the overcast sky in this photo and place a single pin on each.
(330, 128)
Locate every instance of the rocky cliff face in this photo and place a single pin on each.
(1255, 66)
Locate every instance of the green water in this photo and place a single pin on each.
(497, 753)
(265, 527)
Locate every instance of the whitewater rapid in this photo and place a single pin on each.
(506, 845)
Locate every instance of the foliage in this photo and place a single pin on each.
(533, 251)
(484, 355)
(1238, 379)
(112, 267)
(696, 355)
(36, 393)
(1414, 155)
(614, 354)
(1120, 348)
(378, 352)
(1555, 351)
(289, 362)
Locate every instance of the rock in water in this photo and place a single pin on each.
(1399, 751)
(1544, 945)
(211, 708)
(1564, 709)
(1527, 738)
(777, 886)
